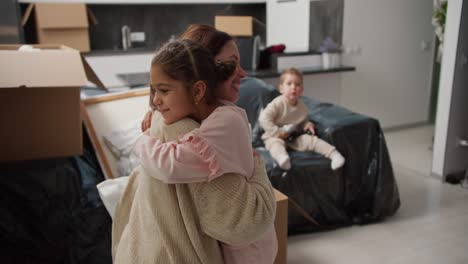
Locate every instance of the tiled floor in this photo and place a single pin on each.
(430, 227)
(412, 148)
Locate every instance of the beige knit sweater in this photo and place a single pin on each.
(181, 223)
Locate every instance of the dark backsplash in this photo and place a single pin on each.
(10, 22)
(326, 21)
(161, 21)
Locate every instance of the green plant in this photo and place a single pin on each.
(438, 20)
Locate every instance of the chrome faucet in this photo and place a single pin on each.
(126, 40)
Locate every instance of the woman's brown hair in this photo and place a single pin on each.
(207, 36)
(211, 39)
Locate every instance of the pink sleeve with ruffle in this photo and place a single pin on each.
(171, 162)
(221, 145)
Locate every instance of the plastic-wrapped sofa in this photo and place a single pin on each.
(361, 192)
(50, 211)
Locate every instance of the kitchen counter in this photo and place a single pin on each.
(121, 70)
(269, 73)
(263, 73)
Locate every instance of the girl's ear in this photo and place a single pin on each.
(199, 91)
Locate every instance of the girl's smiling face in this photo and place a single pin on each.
(171, 98)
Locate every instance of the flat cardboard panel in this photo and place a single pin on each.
(281, 226)
(108, 113)
(238, 26)
(77, 38)
(60, 67)
(40, 123)
(63, 15)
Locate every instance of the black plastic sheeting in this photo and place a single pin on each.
(363, 191)
(50, 211)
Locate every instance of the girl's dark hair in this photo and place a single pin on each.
(189, 62)
(207, 36)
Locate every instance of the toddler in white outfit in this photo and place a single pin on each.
(287, 114)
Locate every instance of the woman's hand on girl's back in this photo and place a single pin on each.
(255, 153)
(146, 123)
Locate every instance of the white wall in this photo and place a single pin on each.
(392, 81)
(288, 23)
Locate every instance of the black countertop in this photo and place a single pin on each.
(269, 73)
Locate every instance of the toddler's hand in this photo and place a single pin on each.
(310, 127)
(283, 135)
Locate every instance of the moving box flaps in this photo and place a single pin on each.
(59, 67)
(40, 102)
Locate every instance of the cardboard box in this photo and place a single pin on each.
(236, 26)
(40, 102)
(281, 226)
(61, 24)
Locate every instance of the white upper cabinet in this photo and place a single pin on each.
(288, 23)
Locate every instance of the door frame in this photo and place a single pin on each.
(446, 89)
